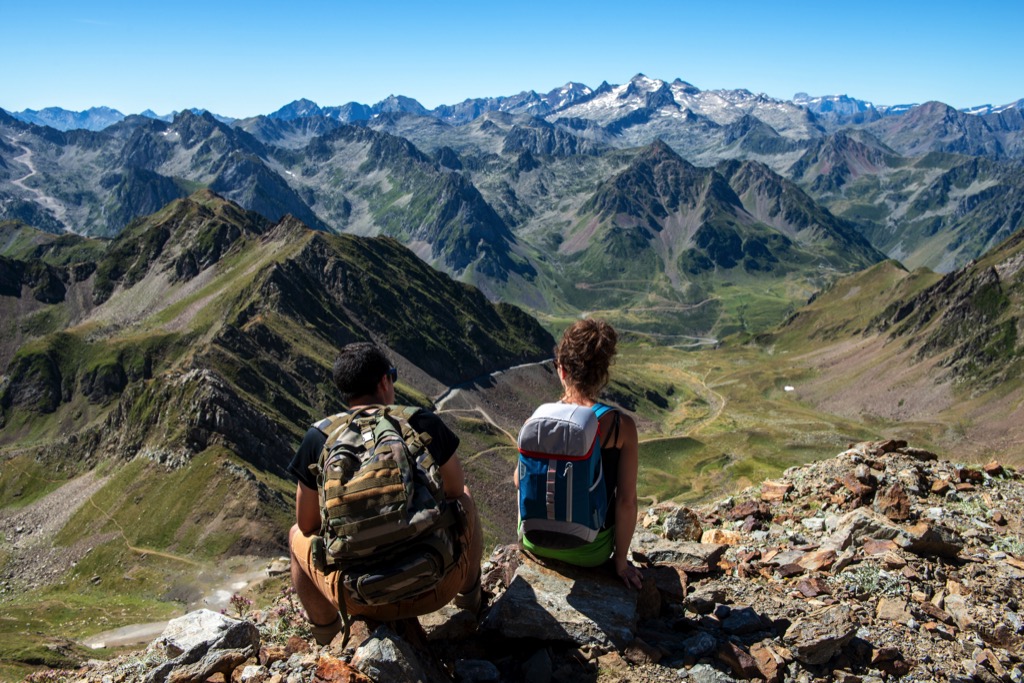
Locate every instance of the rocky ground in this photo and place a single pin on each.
(882, 563)
(26, 536)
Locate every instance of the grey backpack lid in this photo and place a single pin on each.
(559, 429)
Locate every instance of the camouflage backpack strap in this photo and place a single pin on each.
(418, 445)
(329, 426)
(418, 441)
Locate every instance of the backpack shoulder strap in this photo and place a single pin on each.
(404, 412)
(328, 424)
(416, 439)
(600, 409)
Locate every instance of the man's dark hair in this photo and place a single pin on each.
(359, 368)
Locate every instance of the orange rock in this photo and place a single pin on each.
(721, 537)
(875, 547)
(994, 469)
(775, 491)
(819, 560)
(770, 664)
(333, 670)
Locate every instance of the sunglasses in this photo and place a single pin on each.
(393, 374)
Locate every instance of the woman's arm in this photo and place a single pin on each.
(625, 501)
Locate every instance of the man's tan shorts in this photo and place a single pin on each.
(424, 603)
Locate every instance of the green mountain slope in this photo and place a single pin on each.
(938, 210)
(676, 246)
(939, 355)
(970, 319)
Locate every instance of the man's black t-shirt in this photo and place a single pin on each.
(443, 444)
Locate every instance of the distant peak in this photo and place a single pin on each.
(685, 86)
(659, 151)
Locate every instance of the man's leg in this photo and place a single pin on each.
(321, 610)
(476, 541)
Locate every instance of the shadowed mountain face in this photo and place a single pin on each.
(204, 293)
(940, 210)
(937, 127)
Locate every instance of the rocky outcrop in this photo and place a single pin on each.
(205, 409)
(880, 564)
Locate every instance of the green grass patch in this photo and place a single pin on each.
(729, 424)
(24, 480)
(181, 512)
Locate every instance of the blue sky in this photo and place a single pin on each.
(241, 59)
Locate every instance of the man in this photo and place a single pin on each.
(364, 376)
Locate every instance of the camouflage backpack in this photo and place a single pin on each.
(385, 522)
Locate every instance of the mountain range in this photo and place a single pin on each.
(207, 329)
(682, 190)
(832, 107)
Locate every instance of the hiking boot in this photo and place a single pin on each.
(471, 599)
(324, 634)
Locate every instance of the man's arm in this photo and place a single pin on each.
(307, 509)
(454, 478)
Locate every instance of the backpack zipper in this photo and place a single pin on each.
(567, 473)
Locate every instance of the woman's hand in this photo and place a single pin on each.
(628, 573)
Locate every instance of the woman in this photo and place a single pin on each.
(582, 359)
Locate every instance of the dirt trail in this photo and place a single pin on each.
(452, 391)
(715, 400)
(487, 417)
(135, 549)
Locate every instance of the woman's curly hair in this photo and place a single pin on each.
(584, 355)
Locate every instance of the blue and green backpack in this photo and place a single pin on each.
(563, 498)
